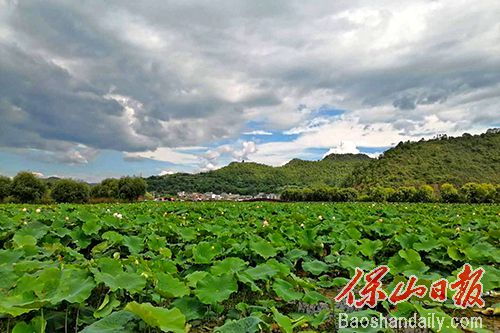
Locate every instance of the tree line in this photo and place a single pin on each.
(468, 193)
(25, 187)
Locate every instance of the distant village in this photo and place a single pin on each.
(209, 196)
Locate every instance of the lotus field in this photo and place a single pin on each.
(230, 267)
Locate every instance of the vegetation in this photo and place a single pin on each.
(443, 160)
(469, 193)
(108, 188)
(5, 183)
(67, 190)
(226, 267)
(130, 188)
(26, 187)
(254, 178)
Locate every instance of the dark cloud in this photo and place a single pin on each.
(135, 76)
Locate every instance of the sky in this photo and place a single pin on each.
(95, 89)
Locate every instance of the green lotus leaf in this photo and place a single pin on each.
(107, 306)
(191, 307)
(261, 272)
(369, 247)
(263, 248)
(213, 289)
(113, 237)
(313, 297)
(35, 229)
(228, 266)
(407, 262)
(24, 240)
(244, 325)
(156, 243)
(22, 327)
(284, 322)
(91, 227)
(315, 267)
(167, 320)
(204, 252)
(427, 245)
(407, 240)
(111, 274)
(286, 290)
(135, 244)
(351, 262)
(169, 286)
(320, 318)
(194, 277)
(117, 322)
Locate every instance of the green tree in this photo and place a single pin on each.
(478, 193)
(68, 190)
(381, 194)
(108, 188)
(5, 184)
(449, 193)
(347, 194)
(26, 187)
(425, 193)
(131, 188)
(404, 194)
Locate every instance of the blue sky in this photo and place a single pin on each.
(104, 89)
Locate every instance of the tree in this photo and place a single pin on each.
(449, 193)
(68, 190)
(404, 194)
(347, 194)
(26, 187)
(425, 193)
(108, 188)
(380, 194)
(5, 184)
(478, 193)
(131, 188)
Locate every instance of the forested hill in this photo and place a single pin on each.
(455, 160)
(253, 178)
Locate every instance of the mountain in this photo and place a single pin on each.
(253, 178)
(456, 160)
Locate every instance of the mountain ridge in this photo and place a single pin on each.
(455, 160)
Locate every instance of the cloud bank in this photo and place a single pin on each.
(147, 79)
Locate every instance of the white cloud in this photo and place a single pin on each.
(166, 155)
(249, 148)
(258, 132)
(344, 147)
(166, 172)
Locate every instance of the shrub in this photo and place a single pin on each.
(67, 190)
(5, 184)
(130, 188)
(291, 194)
(403, 194)
(26, 187)
(478, 193)
(381, 194)
(425, 193)
(449, 193)
(347, 194)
